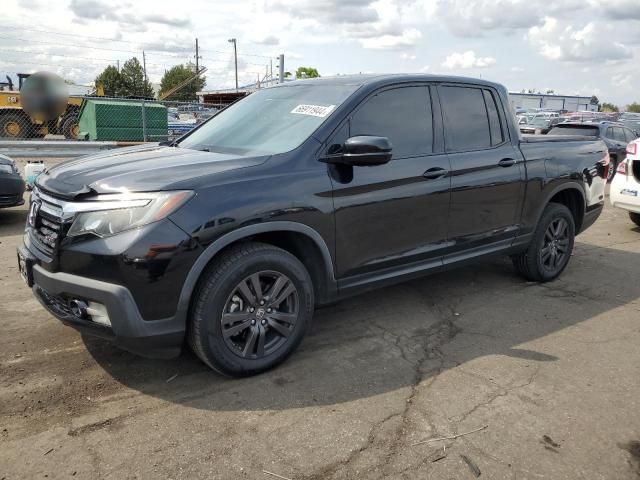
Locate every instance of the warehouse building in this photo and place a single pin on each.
(571, 103)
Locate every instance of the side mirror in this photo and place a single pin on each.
(362, 151)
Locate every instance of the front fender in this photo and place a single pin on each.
(244, 232)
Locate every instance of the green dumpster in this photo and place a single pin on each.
(117, 120)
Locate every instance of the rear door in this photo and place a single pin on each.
(487, 184)
(394, 214)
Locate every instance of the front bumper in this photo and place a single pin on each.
(149, 338)
(11, 191)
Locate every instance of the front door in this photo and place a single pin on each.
(394, 214)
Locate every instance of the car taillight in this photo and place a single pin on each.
(622, 168)
(632, 148)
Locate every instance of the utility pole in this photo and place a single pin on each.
(197, 57)
(281, 62)
(144, 66)
(235, 58)
(271, 70)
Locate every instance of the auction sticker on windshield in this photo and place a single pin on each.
(313, 110)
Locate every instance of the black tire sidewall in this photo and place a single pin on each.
(17, 118)
(552, 212)
(635, 218)
(211, 301)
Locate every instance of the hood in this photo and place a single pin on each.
(138, 169)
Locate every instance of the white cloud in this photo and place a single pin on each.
(408, 38)
(466, 60)
(517, 69)
(408, 56)
(593, 42)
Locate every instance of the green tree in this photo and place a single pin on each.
(307, 72)
(179, 74)
(594, 100)
(110, 81)
(132, 80)
(633, 107)
(607, 107)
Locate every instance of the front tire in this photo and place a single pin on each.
(550, 249)
(635, 218)
(251, 310)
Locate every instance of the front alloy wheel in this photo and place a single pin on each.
(260, 314)
(251, 309)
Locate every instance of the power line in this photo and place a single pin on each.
(111, 40)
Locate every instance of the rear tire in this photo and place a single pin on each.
(635, 218)
(550, 249)
(70, 127)
(14, 125)
(613, 167)
(251, 309)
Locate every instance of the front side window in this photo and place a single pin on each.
(403, 115)
(466, 120)
(270, 121)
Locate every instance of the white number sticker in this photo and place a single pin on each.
(313, 110)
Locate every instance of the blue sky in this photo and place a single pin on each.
(572, 46)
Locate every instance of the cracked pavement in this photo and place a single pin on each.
(552, 370)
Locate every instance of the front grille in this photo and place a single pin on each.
(47, 232)
(10, 199)
(47, 227)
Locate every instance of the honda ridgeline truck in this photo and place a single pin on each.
(295, 197)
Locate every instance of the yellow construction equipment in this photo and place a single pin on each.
(16, 123)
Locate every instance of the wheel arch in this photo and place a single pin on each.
(299, 239)
(571, 195)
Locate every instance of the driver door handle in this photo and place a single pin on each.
(435, 172)
(507, 162)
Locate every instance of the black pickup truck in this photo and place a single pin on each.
(295, 197)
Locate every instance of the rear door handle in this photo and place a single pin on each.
(435, 172)
(507, 162)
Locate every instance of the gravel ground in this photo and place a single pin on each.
(551, 370)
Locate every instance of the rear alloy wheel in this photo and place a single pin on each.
(550, 249)
(251, 309)
(635, 218)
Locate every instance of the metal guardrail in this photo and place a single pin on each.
(55, 148)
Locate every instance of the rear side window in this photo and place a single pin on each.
(610, 133)
(630, 136)
(403, 115)
(618, 134)
(466, 120)
(497, 134)
(571, 130)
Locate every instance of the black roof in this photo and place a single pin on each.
(387, 78)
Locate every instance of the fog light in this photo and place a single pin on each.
(98, 313)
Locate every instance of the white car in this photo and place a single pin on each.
(625, 187)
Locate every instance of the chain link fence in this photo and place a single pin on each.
(105, 119)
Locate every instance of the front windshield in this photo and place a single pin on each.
(269, 121)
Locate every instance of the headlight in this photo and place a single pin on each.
(6, 169)
(112, 214)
